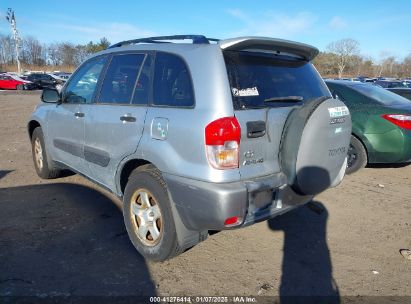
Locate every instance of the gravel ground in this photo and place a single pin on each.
(66, 237)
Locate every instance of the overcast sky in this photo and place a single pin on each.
(382, 27)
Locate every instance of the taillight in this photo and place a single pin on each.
(401, 120)
(222, 139)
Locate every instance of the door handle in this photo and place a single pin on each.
(128, 118)
(79, 114)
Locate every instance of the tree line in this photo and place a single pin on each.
(52, 56)
(341, 58)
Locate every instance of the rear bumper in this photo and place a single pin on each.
(205, 206)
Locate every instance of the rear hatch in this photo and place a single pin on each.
(268, 78)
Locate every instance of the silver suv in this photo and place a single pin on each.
(195, 136)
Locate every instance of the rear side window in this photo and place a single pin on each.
(172, 82)
(261, 79)
(119, 82)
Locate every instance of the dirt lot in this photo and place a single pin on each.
(66, 237)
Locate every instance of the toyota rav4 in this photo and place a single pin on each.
(196, 136)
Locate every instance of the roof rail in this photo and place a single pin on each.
(197, 39)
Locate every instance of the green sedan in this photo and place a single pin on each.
(381, 124)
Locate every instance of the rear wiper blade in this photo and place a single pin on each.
(284, 98)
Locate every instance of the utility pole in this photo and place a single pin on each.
(12, 20)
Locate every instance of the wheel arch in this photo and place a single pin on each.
(31, 126)
(126, 169)
(364, 143)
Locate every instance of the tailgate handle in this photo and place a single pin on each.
(255, 129)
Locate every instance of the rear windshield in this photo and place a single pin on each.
(381, 95)
(406, 94)
(268, 80)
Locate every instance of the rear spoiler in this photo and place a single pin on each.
(305, 51)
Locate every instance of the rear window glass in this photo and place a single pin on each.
(404, 94)
(262, 79)
(380, 95)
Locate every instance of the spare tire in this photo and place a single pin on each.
(314, 145)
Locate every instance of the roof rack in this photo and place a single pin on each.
(196, 39)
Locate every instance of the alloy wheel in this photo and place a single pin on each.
(146, 217)
(38, 153)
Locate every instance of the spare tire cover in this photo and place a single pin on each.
(314, 145)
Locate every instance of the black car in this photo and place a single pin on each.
(404, 92)
(44, 80)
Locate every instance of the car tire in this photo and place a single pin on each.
(148, 215)
(40, 158)
(356, 156)
(20, 87)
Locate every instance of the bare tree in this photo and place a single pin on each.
(387, 64)
(67, 53)
(326, 63)
(33, 51)
(367, 66)
(6, 50)
(53, 54)
(345, 49)
(81, 54)
(407, 66)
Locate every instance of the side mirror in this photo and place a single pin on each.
(50, 96)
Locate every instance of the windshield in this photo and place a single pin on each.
(263, 79)
(381, 95)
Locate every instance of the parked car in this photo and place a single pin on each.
(407, 83)
(62, 75)
(59, 81)
(404, 92)
(200, 136)
(348, 79)
(12, 82)
(381, 131)
(387, 84)
(43, 80)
